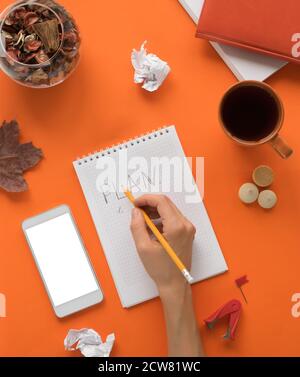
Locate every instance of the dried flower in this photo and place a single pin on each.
(13, 55)
(9, 21)
(30, 19)
(41, 57)
(30, 38)
(20, 13)
(32, 45)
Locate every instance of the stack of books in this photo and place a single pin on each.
(245, 65)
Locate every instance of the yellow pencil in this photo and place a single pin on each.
(164, 243)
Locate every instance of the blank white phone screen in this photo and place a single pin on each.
(62, 259)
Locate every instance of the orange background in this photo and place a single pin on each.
(98, 106)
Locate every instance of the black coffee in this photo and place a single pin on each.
(250, 113)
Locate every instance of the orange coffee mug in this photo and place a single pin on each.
(251, 113)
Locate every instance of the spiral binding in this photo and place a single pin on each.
(124, 145)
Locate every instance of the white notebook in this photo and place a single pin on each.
(245, 65)
(111, 212)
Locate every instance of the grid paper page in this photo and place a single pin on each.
(111, 214)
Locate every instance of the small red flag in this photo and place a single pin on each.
(242, 280)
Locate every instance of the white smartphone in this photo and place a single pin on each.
(62, 261)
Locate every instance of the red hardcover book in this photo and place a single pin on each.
(267, 26)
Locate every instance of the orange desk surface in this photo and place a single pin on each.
(99, 106)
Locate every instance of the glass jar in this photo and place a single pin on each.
(39, 44)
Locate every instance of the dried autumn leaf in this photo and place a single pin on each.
(28, 156)
(48, 33)
(11, 175)
(15, 158)
(39, 77)
(9, 137)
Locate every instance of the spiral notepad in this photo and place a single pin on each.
(111, 213)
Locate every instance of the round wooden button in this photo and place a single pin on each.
(248, 193)
(267, 199)
(263, 176)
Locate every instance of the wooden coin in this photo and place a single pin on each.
(263, 176)
(267, 199)
(248, 193)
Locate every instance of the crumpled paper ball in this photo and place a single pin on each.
(89, 343)
(150, 70)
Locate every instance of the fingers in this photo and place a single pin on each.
(151, 212)
(163, 205)
(139, 230)
(173, 221)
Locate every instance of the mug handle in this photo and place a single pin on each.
(280, 146)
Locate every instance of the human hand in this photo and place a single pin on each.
(175, 292)
(176, 229)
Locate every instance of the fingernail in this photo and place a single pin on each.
(135, 213)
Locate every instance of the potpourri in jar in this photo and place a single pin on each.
(39, 43)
